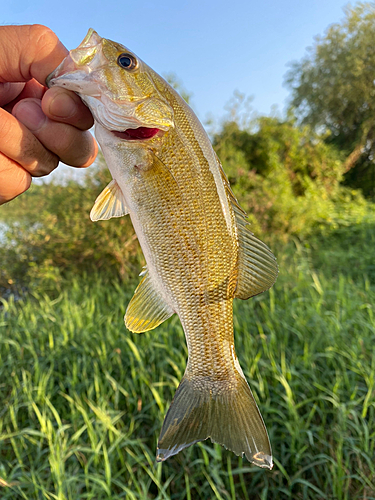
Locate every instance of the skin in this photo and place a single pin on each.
(38, 126)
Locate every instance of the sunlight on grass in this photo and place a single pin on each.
(84, 399)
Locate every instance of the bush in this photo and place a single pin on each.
(286, 177)
(49, 232)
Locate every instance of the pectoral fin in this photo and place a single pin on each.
(147, 309)
(110, 203)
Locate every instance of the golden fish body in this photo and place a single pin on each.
(199, 252)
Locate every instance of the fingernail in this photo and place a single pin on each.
(30, 114)
(63, 106)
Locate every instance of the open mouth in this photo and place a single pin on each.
(137, 134)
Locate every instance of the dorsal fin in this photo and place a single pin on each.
(147, 309)
(257, 267)
(110, 203)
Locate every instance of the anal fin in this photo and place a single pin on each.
(147, 309)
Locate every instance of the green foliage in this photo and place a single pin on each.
(83, 399)
(49, 231)
(333, 87)
(286, 177)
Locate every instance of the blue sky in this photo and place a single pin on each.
(214, 47)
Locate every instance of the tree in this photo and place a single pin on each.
(285, 176)
(333, 89)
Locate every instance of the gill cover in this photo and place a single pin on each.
(119, 98)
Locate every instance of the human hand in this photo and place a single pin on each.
(38, 127)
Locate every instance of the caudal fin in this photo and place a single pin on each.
(223, 411)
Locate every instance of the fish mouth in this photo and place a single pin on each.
(136, 134)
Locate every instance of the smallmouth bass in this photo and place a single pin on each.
(199, 252)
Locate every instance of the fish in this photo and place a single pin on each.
(200, 253)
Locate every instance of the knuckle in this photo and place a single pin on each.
(77, 149)
(23, 181)
(42, 35)
(41, 41)
(46, 166)
(15, 181)
(44, 163)
(5, 129)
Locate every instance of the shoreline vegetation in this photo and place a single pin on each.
(83, 399)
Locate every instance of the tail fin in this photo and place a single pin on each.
(223, 411)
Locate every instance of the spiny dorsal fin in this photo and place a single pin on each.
(147, 309)
(257, 267)
(110, 203)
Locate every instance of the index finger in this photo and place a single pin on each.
(31, 51)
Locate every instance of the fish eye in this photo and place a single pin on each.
(127, 61)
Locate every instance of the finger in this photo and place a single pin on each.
(14, 180)
(65, 106)
(31, 88)
(21, 146)
(72, 146)
(27, 52)
(34, 52)
(9, 91)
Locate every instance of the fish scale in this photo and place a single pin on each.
(199, 252)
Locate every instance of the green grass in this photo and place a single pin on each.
(83, 399)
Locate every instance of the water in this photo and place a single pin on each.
(3, 229)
